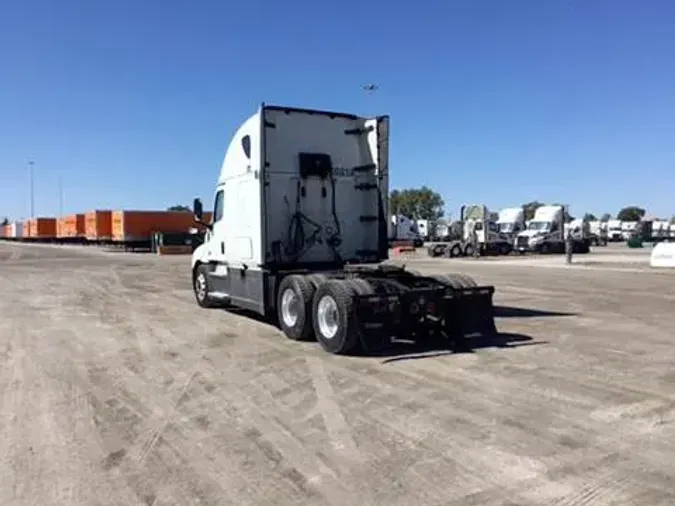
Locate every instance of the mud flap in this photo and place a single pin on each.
(469, 311)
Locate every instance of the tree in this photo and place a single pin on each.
(606, 217)
(672, 220)
(180, 208)
(589, 217)
(530, 208)
(630, 213)
(5, 221)
(417, 203)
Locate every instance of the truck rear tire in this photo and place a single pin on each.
(333, 316)
(455, 280)
(294, 307)
(454, 251)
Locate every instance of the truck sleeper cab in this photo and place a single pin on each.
(300, 230)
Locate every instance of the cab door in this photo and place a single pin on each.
(216, 242)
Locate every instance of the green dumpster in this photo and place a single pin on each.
(635, 242)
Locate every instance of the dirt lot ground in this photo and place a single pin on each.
(117, 389)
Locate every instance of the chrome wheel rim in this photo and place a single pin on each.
(327, 316)
(200, 286)
(289, 307)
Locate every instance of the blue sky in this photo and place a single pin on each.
(131, 103)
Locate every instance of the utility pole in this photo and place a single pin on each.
(32, 189)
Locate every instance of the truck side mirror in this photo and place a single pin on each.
(198, 210)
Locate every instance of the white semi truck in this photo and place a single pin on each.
(660, 230)
(423, 229)
(299, 234)
(402, 228)
(628, 229)
(614, 231)
(546, 233)
(598, 232)
(511, 221)
(490, 241)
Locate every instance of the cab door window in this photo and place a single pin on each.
(218, 206)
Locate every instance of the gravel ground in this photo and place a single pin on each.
(115, 388)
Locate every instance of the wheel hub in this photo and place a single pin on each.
(200, 286)
(327, 316)
(289, 307)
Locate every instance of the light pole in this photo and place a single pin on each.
(32, 189)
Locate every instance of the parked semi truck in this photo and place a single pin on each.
(489, 239)
(628, 229)
(423, 229)
(511, 221)
(614, 231)
(546, 233)
(402, 228)
(598, 232)
(299, 233)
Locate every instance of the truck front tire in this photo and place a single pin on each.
(200, 287)
(334, 319)
(294, 305)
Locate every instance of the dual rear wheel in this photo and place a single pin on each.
(319, 308)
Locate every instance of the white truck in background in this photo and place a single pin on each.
(511, 221)
(598, 232)
(490, 241)
(299, 235)
(423, 229)
(579, 227)
(614, 231)
(546, 233)
(403, 229)
(660, 230)
(628, 228)
(441, 231)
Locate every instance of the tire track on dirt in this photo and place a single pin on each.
(153, 425)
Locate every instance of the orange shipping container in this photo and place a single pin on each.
(71, 226)
(27, 225)
(60, 226)
(43, 228)
(98, 225)
(140, 225)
